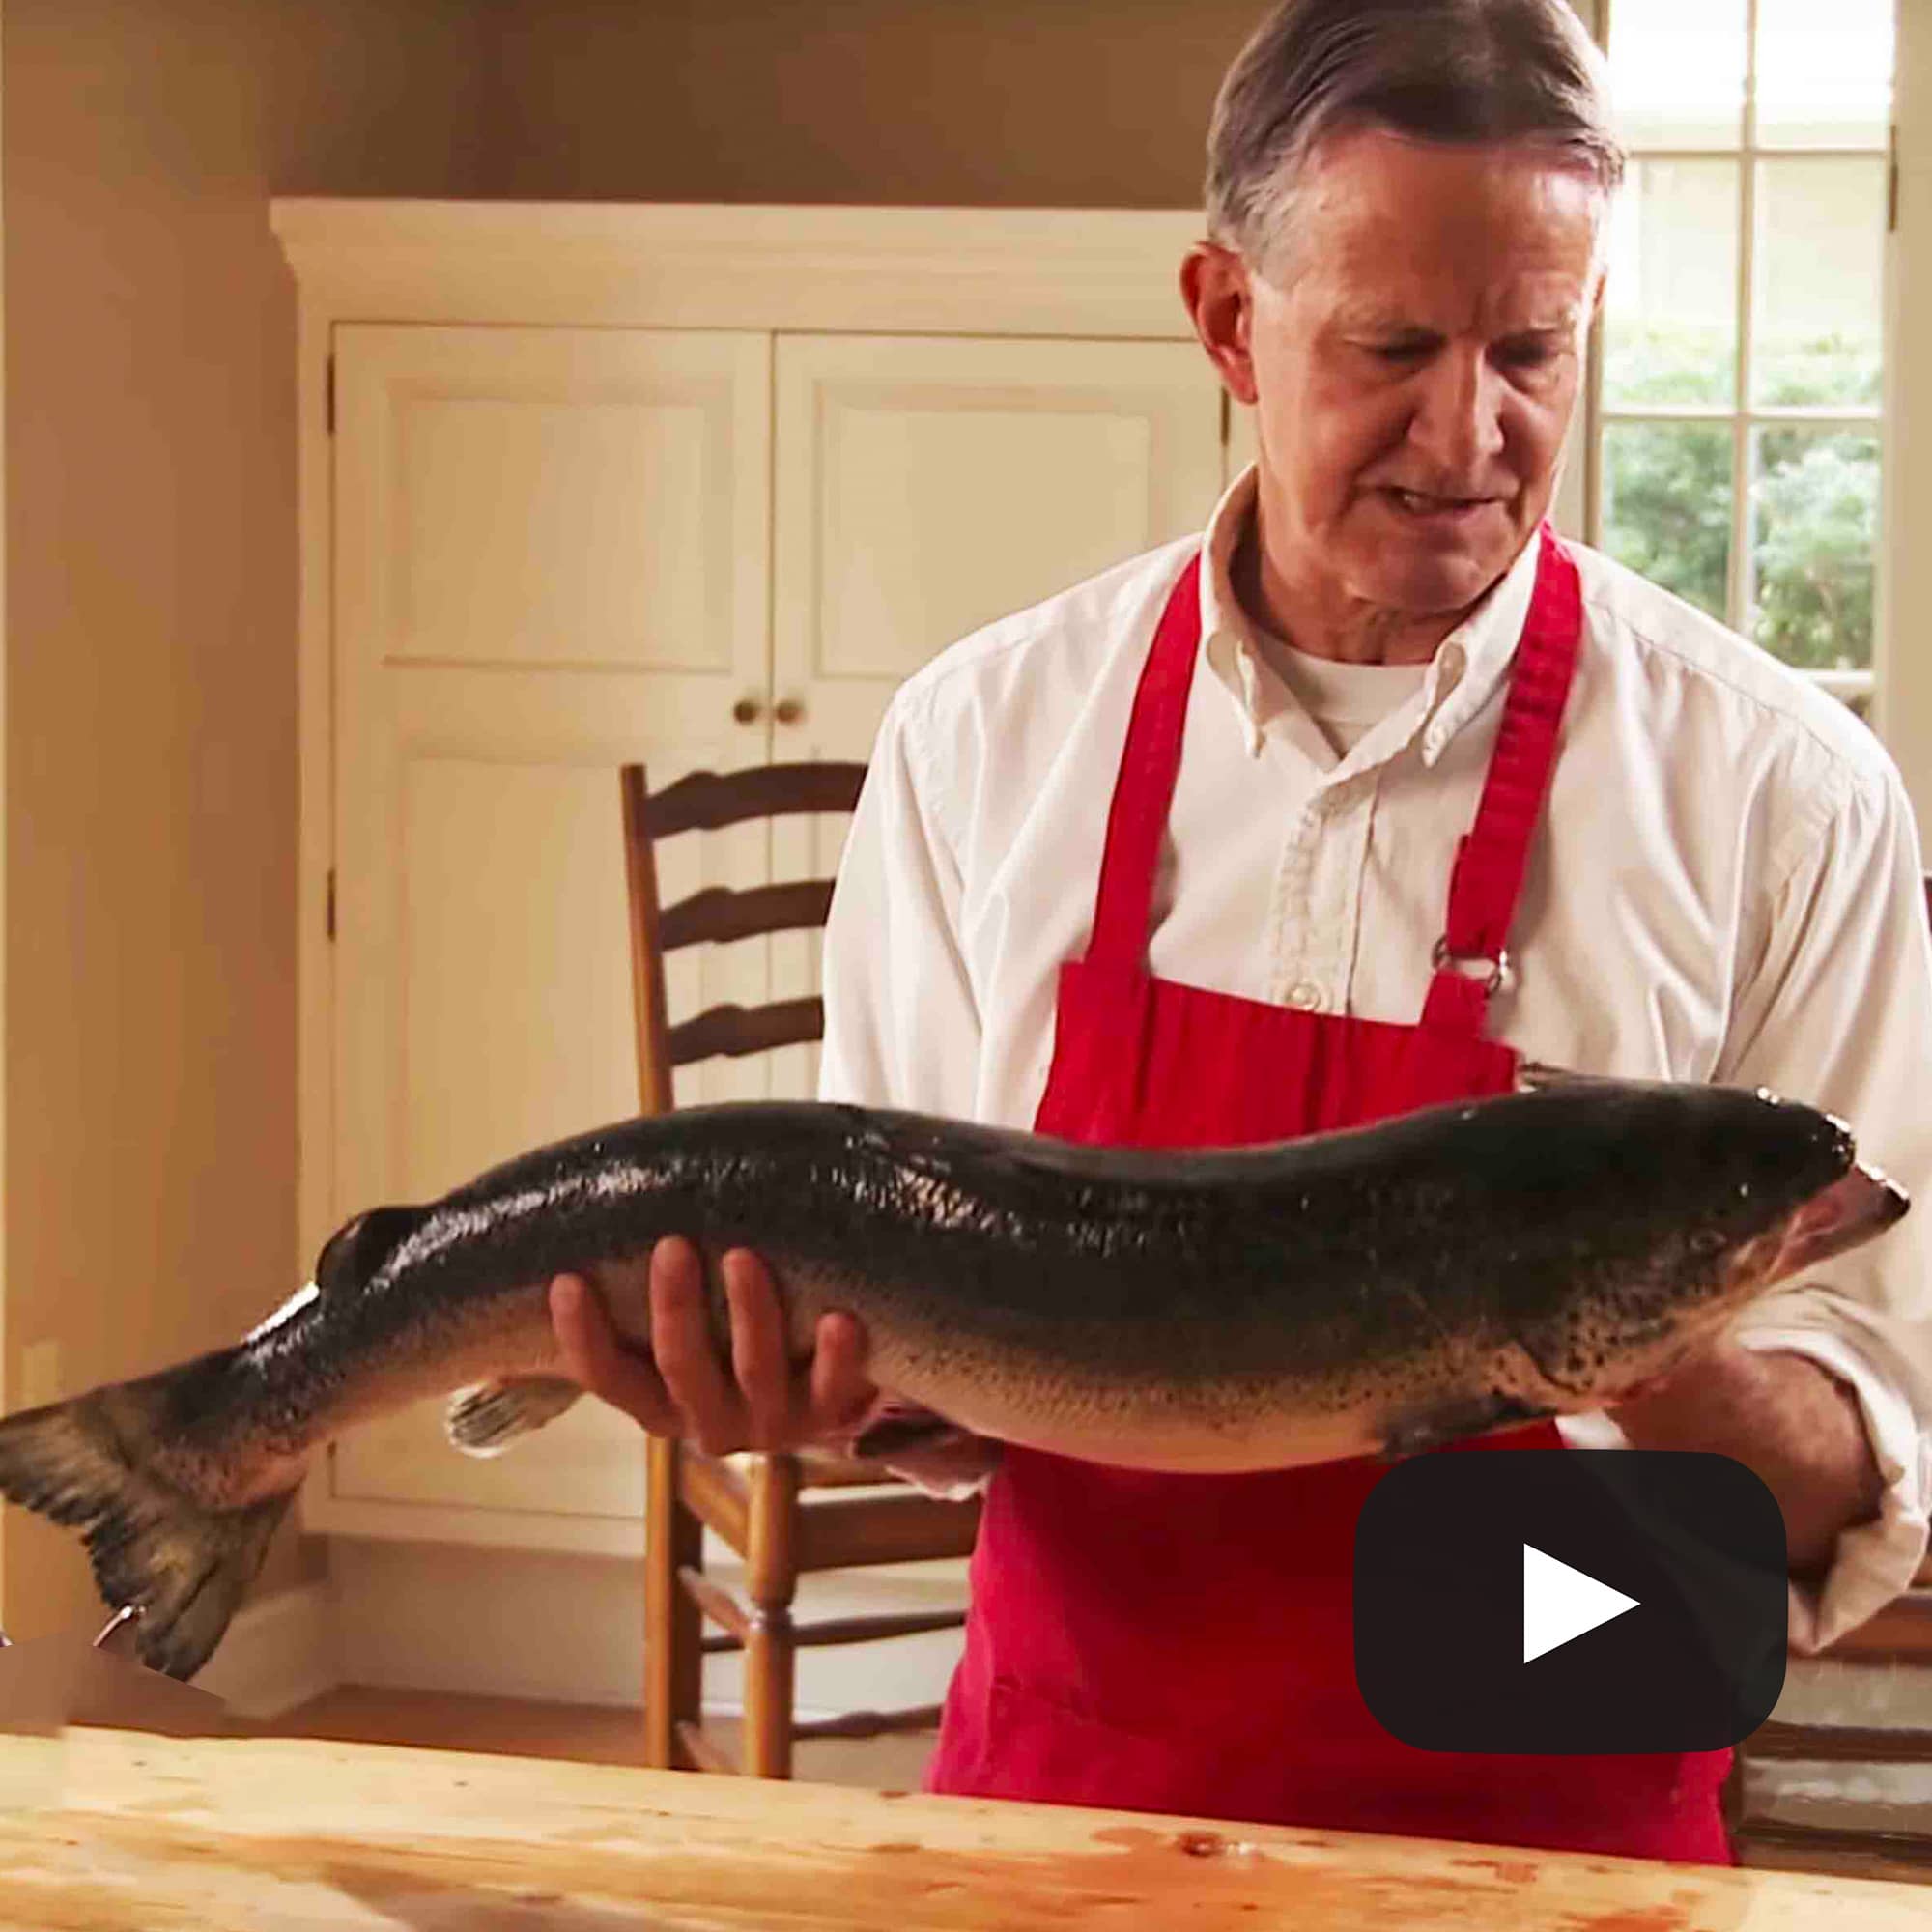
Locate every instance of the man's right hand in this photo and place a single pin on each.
(679, 1387)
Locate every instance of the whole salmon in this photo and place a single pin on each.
(1370, 1291)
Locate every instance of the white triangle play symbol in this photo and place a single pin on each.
(1560, 1602)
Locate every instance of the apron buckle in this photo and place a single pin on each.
(1498, 975)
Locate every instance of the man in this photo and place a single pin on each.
(1222, 847)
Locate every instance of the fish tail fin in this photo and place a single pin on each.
(92, 1465)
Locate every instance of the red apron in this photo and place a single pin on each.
(1184, 1643)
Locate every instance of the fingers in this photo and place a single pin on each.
(760, 1399)
(760, 1358)
(711, 1409)
(838, 1391)
(594, 1357)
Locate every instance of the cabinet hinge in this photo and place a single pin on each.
(1891, 185)
(328, 396)
(329, 913)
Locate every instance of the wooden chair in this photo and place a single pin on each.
(768, 1509)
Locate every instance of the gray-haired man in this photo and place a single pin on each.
(1701, 869)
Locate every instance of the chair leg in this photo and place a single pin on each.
(770, 1582)
(673, 1660)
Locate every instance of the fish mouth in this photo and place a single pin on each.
(1861, 1204)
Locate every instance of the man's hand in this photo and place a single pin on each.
(681, 1388)
(1781, 1416)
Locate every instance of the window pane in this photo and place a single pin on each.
(1814, 537)
(1670, 302)
(1677, 71)
(1824, 73)
(1668, 505)
(1819, 280)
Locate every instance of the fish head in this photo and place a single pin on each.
(1771, 1187)
(1708, 1196)
(1847, 1211)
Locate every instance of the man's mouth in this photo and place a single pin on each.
(1432, 504)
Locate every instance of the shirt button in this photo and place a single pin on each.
(1305, 995)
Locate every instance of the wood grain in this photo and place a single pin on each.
(109, 1831)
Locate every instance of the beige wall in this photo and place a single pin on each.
(150, 655)
(1051, 103)
(987, 103)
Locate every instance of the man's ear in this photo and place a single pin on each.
(1215, 285)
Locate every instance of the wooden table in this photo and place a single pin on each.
(112, 1830)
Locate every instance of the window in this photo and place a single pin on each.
(1736, 453)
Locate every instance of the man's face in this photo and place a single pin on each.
(1414, 353)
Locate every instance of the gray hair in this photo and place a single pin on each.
(1461, 72)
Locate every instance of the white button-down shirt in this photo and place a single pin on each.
(1726, 886)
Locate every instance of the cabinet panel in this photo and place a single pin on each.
(925, 485)
(564, 496)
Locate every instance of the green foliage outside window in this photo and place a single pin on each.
(1814, 493)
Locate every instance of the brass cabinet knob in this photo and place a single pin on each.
(746, 710)
(788, 711)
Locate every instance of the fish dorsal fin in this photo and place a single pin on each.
(359, 1247)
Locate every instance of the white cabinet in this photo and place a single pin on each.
(925, 485)
(596, 494)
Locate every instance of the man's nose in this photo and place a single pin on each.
(1458, 421)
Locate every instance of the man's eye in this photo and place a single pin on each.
(1528, 355)
(1403, 349)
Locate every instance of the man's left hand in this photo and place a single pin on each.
(1781, 1416)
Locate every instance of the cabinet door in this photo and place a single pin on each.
(925, 485)
(552, 556)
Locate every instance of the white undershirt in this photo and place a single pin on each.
(1344, 699)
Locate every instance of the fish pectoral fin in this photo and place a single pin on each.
(484, 1420)
(1418, 1429)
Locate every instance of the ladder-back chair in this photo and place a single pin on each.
(783, 1515)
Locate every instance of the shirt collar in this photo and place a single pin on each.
(1463, 674)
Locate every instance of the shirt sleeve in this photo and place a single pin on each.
(901, 1024)
(1838, 1012)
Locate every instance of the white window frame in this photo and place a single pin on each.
(1741, 415)
(1902, 711)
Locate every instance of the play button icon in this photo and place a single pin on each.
(1570, 1600)
(1560, 1604)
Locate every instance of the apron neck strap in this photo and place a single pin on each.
(1143, 785)
(1490, 859)
(1470, 959)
